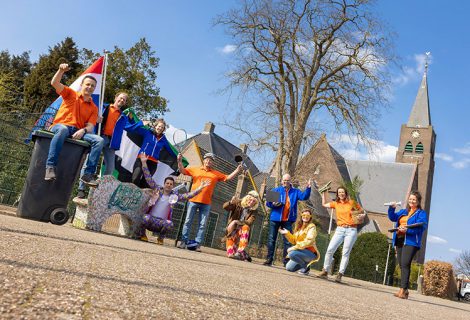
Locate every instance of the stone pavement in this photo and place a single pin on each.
(59, 272)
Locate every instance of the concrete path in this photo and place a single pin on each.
(59, 272)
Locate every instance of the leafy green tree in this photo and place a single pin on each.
(135, 72)
(38, 92)
(353, 187)
(8, 92)
(369, 250)
(13, 70)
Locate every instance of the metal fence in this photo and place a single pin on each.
(15, 154)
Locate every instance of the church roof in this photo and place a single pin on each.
(382, 182)
(420, 115)
(340, 164)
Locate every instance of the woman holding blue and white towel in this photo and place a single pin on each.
(410, 224)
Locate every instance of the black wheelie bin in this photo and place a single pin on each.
(47, 200)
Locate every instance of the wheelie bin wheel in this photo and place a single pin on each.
(59, 216)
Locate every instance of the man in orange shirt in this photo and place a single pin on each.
(202, 201)
(108, 124)
(76, 118)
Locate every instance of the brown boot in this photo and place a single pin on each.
(406, 293)
(338, 277)
(402, 294)
(396, 294)
(323, 274)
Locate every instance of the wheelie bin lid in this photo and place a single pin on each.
(48, 134)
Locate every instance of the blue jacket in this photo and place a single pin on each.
(294, 196)
(151, 145)
(413, 235)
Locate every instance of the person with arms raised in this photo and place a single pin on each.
(76, 118)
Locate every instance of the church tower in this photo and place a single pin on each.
(417, 145)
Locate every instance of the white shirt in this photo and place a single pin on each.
(161, 208)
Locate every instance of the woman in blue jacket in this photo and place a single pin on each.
(153, 142)
(407, 239)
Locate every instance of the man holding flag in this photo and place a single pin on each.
(76, 118)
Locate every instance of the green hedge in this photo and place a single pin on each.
(369, 250)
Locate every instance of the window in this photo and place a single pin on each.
(419, 148)
(409, 147)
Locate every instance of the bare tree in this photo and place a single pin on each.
(295, 57)
(462, 263)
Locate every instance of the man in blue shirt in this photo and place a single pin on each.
(284, 214)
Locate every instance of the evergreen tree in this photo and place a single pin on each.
(13, 70)
(38, 92)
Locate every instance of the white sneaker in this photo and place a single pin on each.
(50, 174)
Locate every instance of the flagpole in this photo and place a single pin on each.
(103, 86)
(100, 107)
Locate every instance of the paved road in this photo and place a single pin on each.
(58, 272)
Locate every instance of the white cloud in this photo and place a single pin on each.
(411, 73)
(436, 239)
(352, 148)
(227, 49)
(464, 150)
(455, 250)
(405, 77)
(462, 164)
(444, 157)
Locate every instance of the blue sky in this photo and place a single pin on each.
(194, 56)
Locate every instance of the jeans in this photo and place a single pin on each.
(61, 132)
(299, 259)
(204, 210)
(273, 232)
(405, 256)
(109, 160)
(349, 236)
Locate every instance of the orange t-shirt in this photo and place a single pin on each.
(200, 174)
(74, 111)
(343, 212)
(113, 116)
(403, 221)
(285, 211)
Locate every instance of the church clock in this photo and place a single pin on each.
(415, 134)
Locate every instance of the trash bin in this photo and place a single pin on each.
(47, 200)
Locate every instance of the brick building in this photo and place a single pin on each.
(382, 182)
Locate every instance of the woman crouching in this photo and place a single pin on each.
(304, 250)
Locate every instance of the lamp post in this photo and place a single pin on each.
(388, 255)
(460, 278)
